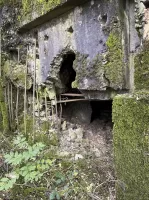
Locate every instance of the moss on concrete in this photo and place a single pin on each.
(40, 5)
(131, 146)
(4, 111)
(17, 74)
(105, 70)
(75, 84)
(114, 68)
(80, 65)
(32, 9)
(29, 124)
(141, 76)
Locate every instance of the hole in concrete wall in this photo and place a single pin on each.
(36, 37)
(104, 18)
(37, 55)
(46, 37)
(88, 112)
(67, 73)
(14, 54)
(146, 3)
(70, 29)
(101, 110)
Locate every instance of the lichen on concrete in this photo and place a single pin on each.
(131, 146)
(89, 74)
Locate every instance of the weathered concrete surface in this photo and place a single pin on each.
(37, 19)
(83, 31)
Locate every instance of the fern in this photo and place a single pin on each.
(26, 163)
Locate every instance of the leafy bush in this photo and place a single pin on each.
(26, 163)
(36, 171)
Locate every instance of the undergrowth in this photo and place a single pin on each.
(33, 171)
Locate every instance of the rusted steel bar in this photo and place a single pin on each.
(72, 95)
(72, 100)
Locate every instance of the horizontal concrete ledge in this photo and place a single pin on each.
(57, 11)
(108, 94)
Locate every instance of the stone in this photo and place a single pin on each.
(72, 135)
(42, 113)
(64, 126)
(78, 156)
(79, 133)
(64, 154)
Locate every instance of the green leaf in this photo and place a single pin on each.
(58, 196)
(58, 181)
(53, 195)
(4, 180)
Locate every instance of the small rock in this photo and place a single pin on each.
(72, 135)
(64, 154)
(42, 113)
(78, 156)
(79, 133)
(64, 126)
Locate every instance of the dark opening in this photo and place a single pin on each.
(104, 18)
(146, 3)
(36, 37)
(14, 54)
(67, 73)
(70, 29)
(46, 37)
(101, 110)
(88, 112)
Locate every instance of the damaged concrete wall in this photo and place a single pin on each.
(100, 48)
(93, 32)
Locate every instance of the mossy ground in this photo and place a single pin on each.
(131, 146)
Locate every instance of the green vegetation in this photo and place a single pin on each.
(35, 172)
(39, 5)
(131, 146)
(17, 74)
(105, 69)
(141, 76)
(114, 68)
(4, 112)
(24, 163)
(28, 7)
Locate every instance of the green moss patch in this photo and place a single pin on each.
(141, 76)
(131, 146)
(114, 68)
(3, 111)
(105, 70)
(17, 74)
(41, 7)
